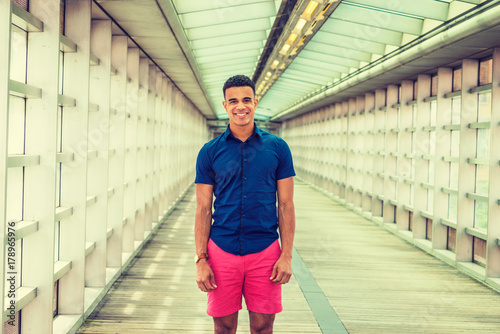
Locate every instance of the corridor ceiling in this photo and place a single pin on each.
(360, 45)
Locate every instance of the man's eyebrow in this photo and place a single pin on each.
(235, 99)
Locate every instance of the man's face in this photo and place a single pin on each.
(240, 104)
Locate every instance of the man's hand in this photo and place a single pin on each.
(282, 271)
(205, 277)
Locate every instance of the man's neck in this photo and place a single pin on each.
(242, 132)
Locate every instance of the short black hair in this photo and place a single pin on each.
(238, 81)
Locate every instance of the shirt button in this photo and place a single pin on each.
(244, 215)
(244, 196)
(244, 178)
(244, 159)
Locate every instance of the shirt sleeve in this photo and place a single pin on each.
(204, 171)
(285, 165)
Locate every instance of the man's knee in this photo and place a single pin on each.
(226, 325)
(261, 328)
(261, 323)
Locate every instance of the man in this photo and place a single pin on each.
(239, 254)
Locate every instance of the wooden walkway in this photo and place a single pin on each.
(376, 282)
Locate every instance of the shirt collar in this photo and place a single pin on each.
(256, 131)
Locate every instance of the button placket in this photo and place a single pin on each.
(242, 215)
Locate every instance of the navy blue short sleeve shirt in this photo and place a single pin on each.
(244, 176)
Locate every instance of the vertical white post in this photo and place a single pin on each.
(40, 181)
(181, 104)
(404, 165)
(337, 129)
(308, 152)
(421, 164)
(316, 163)
(142, 115)
(150, 216)
(99, 128)
(117, 150)
(442, 168)
(359, 151)
(74, 140)
(157, 204)
(171, 173)
(391, 151)
(162, 146)
(350, 115)
(326, 150)
(5, 31)
(330, 144)
(318, 146)
(378, 148)
(466, 171)
(366, 204)
(344, 123)
(170, 169)
(130, 176)
(493, 251)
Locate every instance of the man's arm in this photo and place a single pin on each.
(282, 270)
(203, 222)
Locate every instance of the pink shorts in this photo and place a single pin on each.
(246, 275)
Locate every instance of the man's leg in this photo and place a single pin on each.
(226, 324)
(262, 296)
(261, 323)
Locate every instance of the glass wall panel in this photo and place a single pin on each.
(481, 215)
(18, 54)
(455, 143)
(452, 207)
(484, 107)
(456, 107)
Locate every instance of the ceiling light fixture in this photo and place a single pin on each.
(311, 7)
(301, 26)
(285, 49)
(291, 38)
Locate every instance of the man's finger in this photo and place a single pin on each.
(201, 286)
(208, 285)
(273, 273)
(286, 278)
(212, 282)
(278, 277)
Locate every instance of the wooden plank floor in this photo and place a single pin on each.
(376, 282)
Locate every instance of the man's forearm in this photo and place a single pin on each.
(202, 224)
(286, 222)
